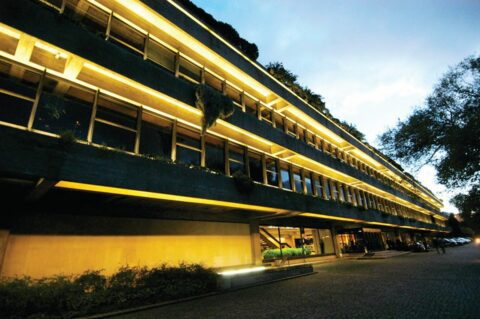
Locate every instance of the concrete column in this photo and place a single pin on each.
(336, 248)
(4, 233)
(255, 243)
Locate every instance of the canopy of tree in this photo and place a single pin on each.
(224, 29)
(445, 132)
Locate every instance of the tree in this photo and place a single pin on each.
(445, 132)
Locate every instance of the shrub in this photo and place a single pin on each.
(67, 138)
(213, 104)
(286, 252)
(92, 292)
(243, 182)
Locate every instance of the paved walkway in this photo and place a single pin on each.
(418, 285)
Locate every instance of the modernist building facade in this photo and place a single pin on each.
(103, 162)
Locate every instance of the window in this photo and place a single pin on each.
(290, 128)
(64, 108)
(317, 183)
(189, 71)
(297, 178)
(250, 105)
(115, 123)
(161, 55)
(334, 191)
(188, 146)
(215, 153)
(272, 171)
(341, 192)
(89, 15)
(213, 81)
(285, 173)
(236, 158)
(308, 183)
(328, 193)
(127, 35)
(156, 136)
(234, 94)
(310, 138)
(17, 94)
(255, 166)
(267, 114)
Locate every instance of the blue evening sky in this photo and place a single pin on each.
(373, 61)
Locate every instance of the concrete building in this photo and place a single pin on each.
(103, 163)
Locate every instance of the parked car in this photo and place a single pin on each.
(418, 246)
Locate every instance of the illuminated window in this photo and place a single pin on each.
(297, 179)
(90, 16)
(317, 183)
(285, 173)
(308, 183)
(272, 171)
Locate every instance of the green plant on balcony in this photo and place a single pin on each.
(213, 105)
(243, 182)
(67, 138)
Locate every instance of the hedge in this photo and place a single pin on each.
(92, 292)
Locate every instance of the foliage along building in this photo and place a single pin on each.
(103, 164)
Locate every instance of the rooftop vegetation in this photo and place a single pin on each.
(224, 29)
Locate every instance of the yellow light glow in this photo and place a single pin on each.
(242, 271)
(166, 26)
(176, 198)
(9, 31)
(145, 89)
(50, 49)
(331, 217)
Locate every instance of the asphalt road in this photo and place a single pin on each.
(418, 285)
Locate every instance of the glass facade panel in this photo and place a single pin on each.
(115, 124)
(156, 136)
(214, 154)
(213, 81)
(250, 105)
(188, 146)
(236, 158)
(297, 178)
(317, 183)
(161, 55)
(326, 241)
(272, 171)
(285, 172)
(255, 166)
(17, 94)
(69, 109)
(127, 35)
(88, 15)
(189, 70)
(308, 184)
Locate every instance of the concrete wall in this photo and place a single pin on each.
(144, 243)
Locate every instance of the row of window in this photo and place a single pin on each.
(119, 30)
(46, 103)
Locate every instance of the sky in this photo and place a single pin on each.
(372, 61)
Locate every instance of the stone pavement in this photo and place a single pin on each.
(418, 285)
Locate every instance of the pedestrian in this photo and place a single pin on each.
(442, 245)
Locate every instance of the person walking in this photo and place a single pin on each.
(442, 245)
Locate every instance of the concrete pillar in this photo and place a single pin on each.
(255, 243)
(336, 248)
(3, 245)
